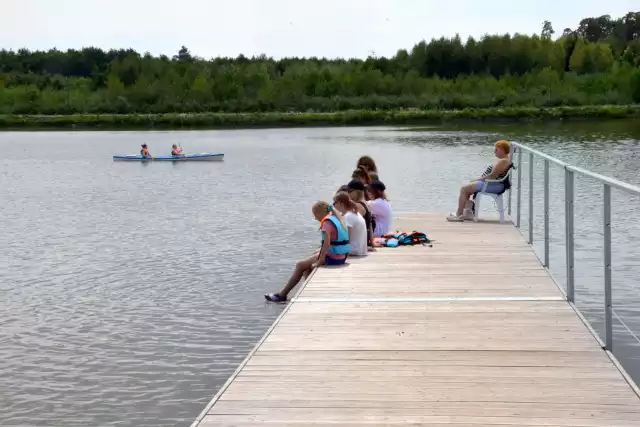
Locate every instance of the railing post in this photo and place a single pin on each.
(511, 154)
(546, 213)
(519, 201)
(608, 311)
(568, 209)
(530, 198)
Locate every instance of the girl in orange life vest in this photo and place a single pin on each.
(334, 250)
(145, 151)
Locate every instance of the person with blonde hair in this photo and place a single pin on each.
(333, 251)
(496, 171)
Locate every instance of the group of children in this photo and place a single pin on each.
(360, 212)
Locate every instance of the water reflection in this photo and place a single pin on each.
(130, 294)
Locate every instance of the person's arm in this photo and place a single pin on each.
(323, 250)
(498, 168)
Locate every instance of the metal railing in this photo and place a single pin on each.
(569, 172)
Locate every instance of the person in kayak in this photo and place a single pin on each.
(334, 249)
(145, 151)
(176, 151)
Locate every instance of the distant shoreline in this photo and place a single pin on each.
(308, 119)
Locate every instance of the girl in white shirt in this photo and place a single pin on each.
(380, 208)
(355, 223)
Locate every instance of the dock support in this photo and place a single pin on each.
(608, 311)
(569, 238)
(546, 213)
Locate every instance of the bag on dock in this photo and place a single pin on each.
(391, 240)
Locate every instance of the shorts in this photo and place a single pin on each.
(332, 261)
(492, 187)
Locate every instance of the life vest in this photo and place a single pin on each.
(341, 245)
(392, 240)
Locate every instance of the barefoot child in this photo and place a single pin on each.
(334, 250)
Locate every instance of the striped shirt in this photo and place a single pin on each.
(500, 177)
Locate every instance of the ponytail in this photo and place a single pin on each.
(333, 211)
(343, 198)
(322, 207)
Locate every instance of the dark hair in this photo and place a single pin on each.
(361, 175)
(377, 190)
(343, 188)
(355, 184)
(368, 163)
(343, 198)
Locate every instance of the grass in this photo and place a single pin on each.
(340, 118)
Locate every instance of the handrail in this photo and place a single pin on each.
(569, 172)
(612, 182)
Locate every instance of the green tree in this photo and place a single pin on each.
(547, 30)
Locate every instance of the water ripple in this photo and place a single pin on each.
(130, 292)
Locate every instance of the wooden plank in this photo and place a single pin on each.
(471, 331)
(394, 359)
(320, 418)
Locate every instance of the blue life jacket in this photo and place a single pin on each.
(341, 244)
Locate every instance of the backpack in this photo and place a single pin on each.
(392, 240)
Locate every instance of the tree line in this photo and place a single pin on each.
(594, 64)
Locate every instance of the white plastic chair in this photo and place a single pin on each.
(499, 200)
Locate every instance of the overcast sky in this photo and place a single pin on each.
(331, 28)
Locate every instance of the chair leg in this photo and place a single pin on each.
(476, 207)
(500, 203)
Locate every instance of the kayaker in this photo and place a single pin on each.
(334, 249)
(175, 150)
(145, 151)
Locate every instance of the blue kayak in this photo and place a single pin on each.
(200, 157)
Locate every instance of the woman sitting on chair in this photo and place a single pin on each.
(497, 171)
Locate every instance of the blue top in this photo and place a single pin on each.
(341, 245)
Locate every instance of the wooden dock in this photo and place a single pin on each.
(470, 332)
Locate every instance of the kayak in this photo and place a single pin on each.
(200, 157)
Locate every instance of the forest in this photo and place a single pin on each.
(595, 64)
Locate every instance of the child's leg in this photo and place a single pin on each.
(302, 266)
(308, 271)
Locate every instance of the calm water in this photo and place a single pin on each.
(130, 292)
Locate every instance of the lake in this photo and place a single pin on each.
(130, 292)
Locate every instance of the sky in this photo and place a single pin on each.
(280, 28)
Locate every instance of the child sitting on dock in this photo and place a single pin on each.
(356, 225)
(380, 208)
(334, 249)
(367, 163)
(361, 175)
(356, 191)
